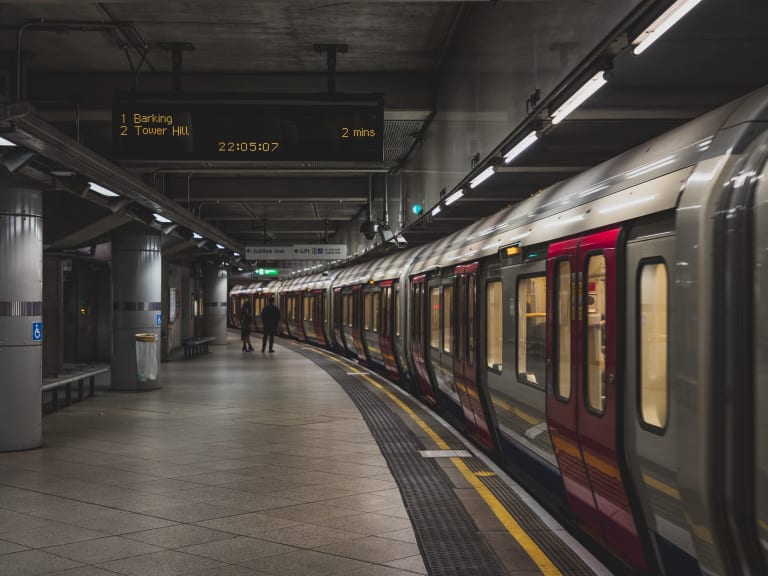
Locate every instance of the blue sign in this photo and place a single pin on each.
(37, 331)
(159, 319)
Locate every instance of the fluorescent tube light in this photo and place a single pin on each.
(162, 219)
(4, 142)
(196, 236)
(236, 254)
(662, 24)
(482, 177)
(455, 196)
(219, 246)
(101, 190)
(582, 94)
(520, 147)
(436, 210)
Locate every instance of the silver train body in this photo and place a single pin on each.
(606, 340)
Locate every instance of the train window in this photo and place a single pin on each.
(471, 300)
(397, 311)
(653, 344)
(434, 318)
(447, 319)
(596, 318)
(532, 330)
(345, 310)
(376, 297)
(495, 322)
(367, 311)
(563, 327)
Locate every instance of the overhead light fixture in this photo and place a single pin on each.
(520, 147)
(436, 210)
(662, 24)
(196, 236)
(4, 142)
(236, 254)
(219, 246)
(101, 190)
(482, 177)
(582, 94)
(162, 219)
(455, 196)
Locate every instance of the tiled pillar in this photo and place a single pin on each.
(215, 303)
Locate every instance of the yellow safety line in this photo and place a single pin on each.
(516, 531)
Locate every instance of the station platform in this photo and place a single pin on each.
(292, 463)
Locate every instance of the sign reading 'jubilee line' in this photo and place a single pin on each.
(263, 128)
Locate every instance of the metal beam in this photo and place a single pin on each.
(87, 233)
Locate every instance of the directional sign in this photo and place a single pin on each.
(159, 319)
(297, 252)
(37, 331)
(266, 272)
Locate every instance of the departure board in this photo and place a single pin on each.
(263, 128)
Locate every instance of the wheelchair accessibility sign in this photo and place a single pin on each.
(37, 331)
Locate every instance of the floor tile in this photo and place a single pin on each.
(168, 563)
(412, 564)
(16, 521)
(33, 562)
(51, 535)
(237, 550)
(9, 547)
(307, 535)
(82, 571)
(194, 512)
(313, 512)
(103, 550)
(121, 522)
(306, 562)
(249, 524)
(372, 549)
(369, 523)
(179, 536)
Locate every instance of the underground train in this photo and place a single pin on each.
(606, 340)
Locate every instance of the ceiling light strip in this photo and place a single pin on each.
(582, 94)
(520, 147)
(482, 177)
(663, 23)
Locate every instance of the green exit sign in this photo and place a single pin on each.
(266, 272)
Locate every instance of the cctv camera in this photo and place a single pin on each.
(369, 229)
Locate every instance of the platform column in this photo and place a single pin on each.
(215, 303)
(136, 294)
(21, 314)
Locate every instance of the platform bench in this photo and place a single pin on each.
(55, 383)
(195, 346)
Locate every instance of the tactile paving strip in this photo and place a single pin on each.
(447, 536)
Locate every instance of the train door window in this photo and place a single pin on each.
(447, 319)
(367, 311)
(471, 300)
(376, 311)
(397, 310)
(434, 318)
(345, 310)
(307, 306)
(595, 310)
(532, 329)
(562, 325)
(494, 325)
(653, 343)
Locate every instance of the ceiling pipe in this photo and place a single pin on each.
(56, 26)
(385, 224)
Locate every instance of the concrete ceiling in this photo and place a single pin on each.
(718, 52)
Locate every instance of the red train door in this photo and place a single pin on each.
(338, 317)
(583, 410)
(386, 332)
(418, 341)
(465, 352)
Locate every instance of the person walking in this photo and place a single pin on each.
(246, 317)
(270, 317)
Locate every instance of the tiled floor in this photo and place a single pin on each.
(242, 464)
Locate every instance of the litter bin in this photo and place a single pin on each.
(147, 365)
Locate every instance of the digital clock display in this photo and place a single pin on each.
(209, 128)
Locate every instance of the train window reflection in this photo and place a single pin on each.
(563, 327)
(532, 329)
(471, 300)
(367, 311)
(653, 344)
(447, 319)
(397, 311)
(494, 331)
(596, 318)
(434, 318)
(376, 310)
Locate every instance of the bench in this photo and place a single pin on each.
(195, 346)
(79, 375)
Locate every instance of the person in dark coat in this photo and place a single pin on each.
(246, 317)
(270, 317)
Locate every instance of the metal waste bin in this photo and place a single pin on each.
(147, 356)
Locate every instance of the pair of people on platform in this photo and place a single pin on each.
(270, 318)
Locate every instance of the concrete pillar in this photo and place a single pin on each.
(21, 314)
(136, 294)
(215, 303)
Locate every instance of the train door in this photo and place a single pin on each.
(418, 299)
(385, 332)
(398, 337)
(584, 403)
(337, 329)
(466, 346)
(357, 323)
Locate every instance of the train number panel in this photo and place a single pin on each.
(582, 406)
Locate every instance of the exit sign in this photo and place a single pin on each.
(266, 272)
